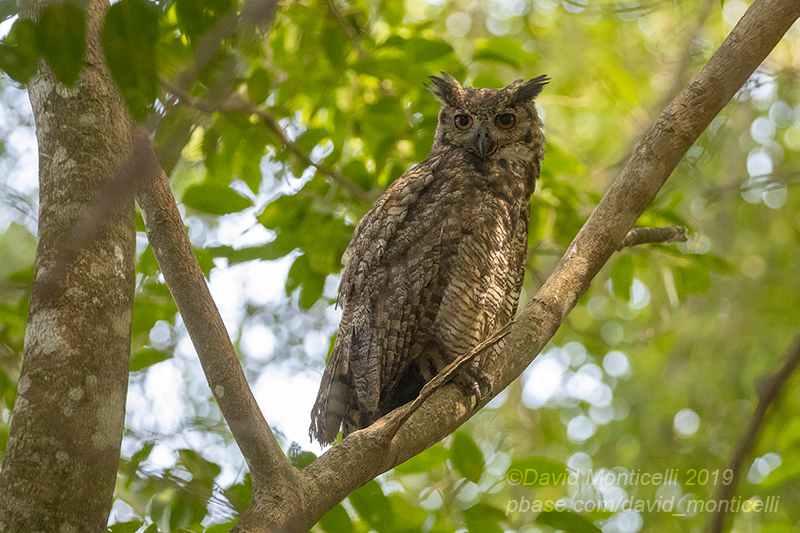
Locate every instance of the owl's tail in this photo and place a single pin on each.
(333, 400)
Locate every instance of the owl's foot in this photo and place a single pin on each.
(474, 383)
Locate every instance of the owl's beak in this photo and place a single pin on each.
(485, 142)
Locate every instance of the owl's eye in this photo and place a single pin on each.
(505, 121)
(463, 122)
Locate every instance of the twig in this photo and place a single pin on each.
(640, 235)
(269, 120)
(768, 391)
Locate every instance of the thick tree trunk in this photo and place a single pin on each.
(63, 450)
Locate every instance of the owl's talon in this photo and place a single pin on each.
(474, 383)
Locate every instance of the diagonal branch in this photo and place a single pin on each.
(363, 454)
(770, 390)
(171, 246)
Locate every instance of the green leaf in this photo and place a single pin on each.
(466, 456)
(692, 280)
(141, 454)
(425, 461)
(221, 528)
(373, 506)
(60, 36)
(484, 518)
(126, 527)
(413, 516)
(537, 472)
(392, 11)
(129, 37)
(311, 138)
(356, 171)
(258, 86)
(173, 133)
(566, 521)
(195, 17)
(240, 495)
(427, 49)
(788, 470)
(622, 276)
(19, 52)
(146, 357)
(311, 282)
(335, 43)
(336, 521)
(201, 469)
(303, 459)
(215, 199)
(790, 434)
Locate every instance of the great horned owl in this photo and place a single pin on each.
(437, 264)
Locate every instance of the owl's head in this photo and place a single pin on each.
(491, 123)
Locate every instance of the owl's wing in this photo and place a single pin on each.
(391, 288)
(516, 275)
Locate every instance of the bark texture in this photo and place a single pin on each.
(63, 449)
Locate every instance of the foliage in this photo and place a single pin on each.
(655, 371)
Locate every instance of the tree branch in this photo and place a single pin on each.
(269, 466)
(768, 392)
(638, 236)
(363, 454)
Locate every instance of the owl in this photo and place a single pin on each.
(436, 266)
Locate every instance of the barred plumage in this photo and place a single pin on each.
(437, 264)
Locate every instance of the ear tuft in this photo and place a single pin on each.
(527, 91)
(446, 89)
